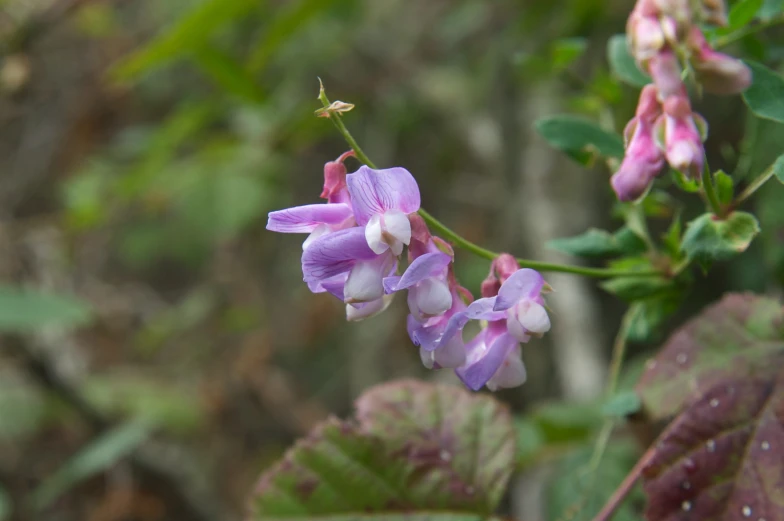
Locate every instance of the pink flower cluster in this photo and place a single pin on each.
(355, 244)
(665, 40)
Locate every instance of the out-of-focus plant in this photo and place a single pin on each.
(718, 376)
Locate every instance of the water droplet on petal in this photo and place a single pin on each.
(689, 465)
(746, 511)
(686, 506)
(714, 402)
(681, 358)
(765, 445)
(711, 445)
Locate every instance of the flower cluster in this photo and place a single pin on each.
(665, 39)
(355, 244)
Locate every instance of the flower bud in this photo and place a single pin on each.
(666, 73)
(335, 189)
(682, 136)
(717, 72)
(641, 164)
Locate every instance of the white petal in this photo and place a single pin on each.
(427, 358)
(364, 282)
(318, 231)
(369, 309)
(533, 317)
(452, 354)
(515, 328)
(374, 235)
(510, 374)
(396, 226)
(432, 296)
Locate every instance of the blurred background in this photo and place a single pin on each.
(158, 348)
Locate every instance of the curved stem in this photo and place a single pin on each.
(459, 240)
(710, 191)
(756, 184)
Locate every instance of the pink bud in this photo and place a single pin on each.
(641, 164)
(682, 137)
(505, 265)
(717, 72)
(335, 189)
(666, 73)
(648, 106)
(645, 35)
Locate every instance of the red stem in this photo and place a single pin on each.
(624, 488)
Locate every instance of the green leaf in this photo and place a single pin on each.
(596, 243)
(530, 440)
(579, 138)
(741, 335)
(635, 288)
(187, 35)
(724, 187)
(566, 51)
(622, 405)
(684, 183)
(708, 239)
(765, 96)
(577, 492)
(25, 310)
(414, 447)
(622, 63)
(228, 74)
(567, 422)
(743, 12)
(98, 456)
(771, 8)
(649, 315)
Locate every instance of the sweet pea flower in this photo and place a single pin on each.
(717, 72)
(643, 159)
(682, 136)
(514, 316)
(319, 219)
(343, 264)
(382, 200)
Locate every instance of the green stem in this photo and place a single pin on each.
(755, 185)
(458, 240)
(710, 192)
(749, 29)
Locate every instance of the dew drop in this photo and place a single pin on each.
(711, 445)
(689, 465)
(681, 358)
(686, 506)
(765, 445)
(746, 511)
(714, 402)
(445, 456)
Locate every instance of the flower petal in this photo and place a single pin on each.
(374, 235)
(423, 267)
(333, 285)
(432, 297)
(451, 354)
(533, 317)
(376, 191)
(361, 311)
(524, 283)
(477, 373)
(397, 230)
(510, 374)
(304, 219)
(364, 281)
(335, 253)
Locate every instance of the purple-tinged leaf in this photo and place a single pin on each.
(416, 452)
(722, 459)
(740, 337)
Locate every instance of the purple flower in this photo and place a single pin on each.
(665, 70)
(382, 200)
(643, 160)
(315, 219)
(515, 315)
(683, 133)
(343, 260)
